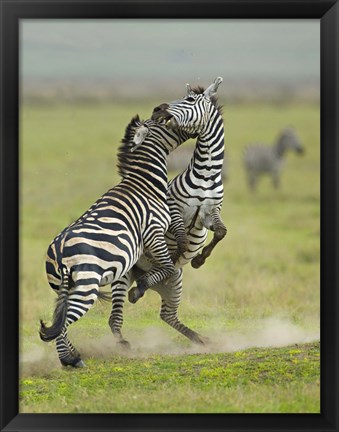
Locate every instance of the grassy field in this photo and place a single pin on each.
(257, 298)
(254, 380)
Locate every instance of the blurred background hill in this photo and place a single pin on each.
(105, 60)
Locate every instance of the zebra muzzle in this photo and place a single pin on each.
(171, 123)
(160, 114)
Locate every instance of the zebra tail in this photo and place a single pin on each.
(47, 334)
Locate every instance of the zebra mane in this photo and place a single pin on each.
(126, 146)
(214, 99)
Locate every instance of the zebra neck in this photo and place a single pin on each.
(208, 156)
(150, 174)
(206, 164)
(280, 148)
(213, 130)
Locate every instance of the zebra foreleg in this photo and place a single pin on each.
(168, 313)
(119, 289)
(177, 228)
(150, 279)
(251, 181)
(275, 179)
(170, 299)
(219, 229)
(164, 268)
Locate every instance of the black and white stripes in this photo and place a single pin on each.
(107, 240)
(194, 197)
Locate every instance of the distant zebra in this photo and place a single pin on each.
(106, 241)
(195, 197)
(260, 159)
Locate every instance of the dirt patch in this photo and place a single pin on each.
(271, 332)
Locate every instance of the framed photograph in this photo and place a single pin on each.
(241, 333)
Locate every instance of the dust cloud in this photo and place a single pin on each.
(41, 359)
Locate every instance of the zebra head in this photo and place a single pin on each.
(289, 140)
(147, 136)
(191, 113)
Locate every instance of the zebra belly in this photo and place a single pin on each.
(263, 163)
(145, 262)
(204, 209)
(266, 169)
(196, 236)
(197, 239)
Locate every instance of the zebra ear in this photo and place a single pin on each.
(212, 89)
(189, 89)
(139, 137)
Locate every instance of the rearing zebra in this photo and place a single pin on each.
(194, 197)
(260, 159)
(106, 241)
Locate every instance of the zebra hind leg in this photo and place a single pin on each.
(220, 231)
(171, 318)
(119, 289)
(170, 300)
(80, 299)
(68, 355)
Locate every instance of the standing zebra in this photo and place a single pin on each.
(194, 197)
(107, 240)
(260, 159)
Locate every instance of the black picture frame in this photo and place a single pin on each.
(327, 11)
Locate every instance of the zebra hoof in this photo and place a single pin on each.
(124, 344)
(134, 294)
(201, 340)
(74, 362)
(197, 261)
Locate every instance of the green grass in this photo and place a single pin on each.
(260, 288)
(254, 380)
